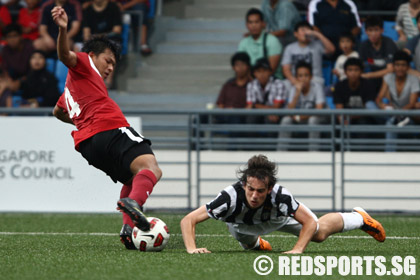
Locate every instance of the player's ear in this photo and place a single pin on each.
(270, 189)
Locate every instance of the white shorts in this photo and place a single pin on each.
(248, 234)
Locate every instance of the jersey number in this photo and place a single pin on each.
(72, 107)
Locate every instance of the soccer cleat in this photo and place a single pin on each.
(370, 225)
(132, 209)
(264, 245)
(125, 237)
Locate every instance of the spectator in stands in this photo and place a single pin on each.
(15, 57)
(346, 44)
(48, 30)
(29, 17)
(5, 94)
(39, 89)
(281, 17)
(138, 6)
(102, 18)
(406, 23)
(259, 44)
(334, 17)
(265, 92)
(305, 94)
(413, 47)
(376, 52)
(310, 47)
(14, 7)
(5, 18)
(401, 90)
(354, 92)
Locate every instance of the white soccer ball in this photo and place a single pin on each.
(153, 240)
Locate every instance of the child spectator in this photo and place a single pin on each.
(354, 92)
(259, 44)
(310, 47)
(233, 93)
(29, 19)
(48, 30)
(265, 91)
(15, 57)
(346, 44)
(305, 94)
(281, 17)
(334, 17)
(39, 89)
(376, 52)
(401, 90)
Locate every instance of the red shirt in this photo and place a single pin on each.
(4, 17)
(86, 100)
(30, 19)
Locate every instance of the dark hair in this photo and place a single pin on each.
(261, 168)
(303, 64)
(262, 63)
(346, 35)
(254, 11)
(13, 27)
(374, 21)
(99, 43)
(401, 55)
(353, 61)
(240, 56)
(302, 23)
(418, 17)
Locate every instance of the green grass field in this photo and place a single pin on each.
(86, 246)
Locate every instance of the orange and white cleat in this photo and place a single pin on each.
(370, 225)
(264, 245)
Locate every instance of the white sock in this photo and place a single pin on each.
(256, 245)
(351, 221)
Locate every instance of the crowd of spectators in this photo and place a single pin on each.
(28, 33)
(288, 53)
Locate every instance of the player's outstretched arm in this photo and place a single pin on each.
(60, 18)
(188, 229)
(61, 115)
(306, 233)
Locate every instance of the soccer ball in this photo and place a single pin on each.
(153, 240)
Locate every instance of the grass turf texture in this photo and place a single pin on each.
(86, 256)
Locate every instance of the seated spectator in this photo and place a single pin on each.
(281, 17)
(259, 44)
(406, 22)
(102, 18)
(29, 17)
(346, 44)
(5, 18)
(354, 92)
(142, 6)
(310, 47)
(14, 7)
(265, 92)
(48, 30)
(413, 47)
(305, 94)
(15, 57)
(39, 89)
(376, 52)
(401, 91)
(334, 17)
(5, 94)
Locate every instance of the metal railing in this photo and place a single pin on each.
(185, 130)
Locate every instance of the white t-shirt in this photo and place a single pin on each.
(339, 64)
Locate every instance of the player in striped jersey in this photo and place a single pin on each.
(256, 205)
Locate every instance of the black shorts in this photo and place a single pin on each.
(114, 150)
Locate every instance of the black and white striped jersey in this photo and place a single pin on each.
(230, 206)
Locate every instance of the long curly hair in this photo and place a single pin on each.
(261, 168)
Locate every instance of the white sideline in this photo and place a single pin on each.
(198, 235)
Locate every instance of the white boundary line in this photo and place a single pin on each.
(198, 235)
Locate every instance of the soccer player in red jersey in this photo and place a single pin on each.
(103, 136)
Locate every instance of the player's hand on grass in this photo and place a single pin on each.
(293, 252)
(59, 16)
(199, 251)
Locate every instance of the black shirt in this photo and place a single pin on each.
(102, 22)
(354, 99)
